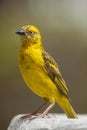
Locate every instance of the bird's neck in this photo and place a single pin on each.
(30, 44)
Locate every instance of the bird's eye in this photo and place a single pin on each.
(31, 32)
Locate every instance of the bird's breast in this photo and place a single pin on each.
(30, 58)
(32, 70)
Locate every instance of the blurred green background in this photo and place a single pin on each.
(63, 25)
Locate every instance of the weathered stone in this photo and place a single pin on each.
(58, 122)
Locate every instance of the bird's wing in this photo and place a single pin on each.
(53, 72)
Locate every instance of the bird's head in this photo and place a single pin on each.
(29, 34)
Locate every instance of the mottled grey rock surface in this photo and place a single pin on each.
(58, 122)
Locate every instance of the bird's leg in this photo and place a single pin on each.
(40, 107)
(33, 115)
(44, 114)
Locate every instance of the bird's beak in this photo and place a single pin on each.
(21, 32)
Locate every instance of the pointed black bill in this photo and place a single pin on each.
(21, 32)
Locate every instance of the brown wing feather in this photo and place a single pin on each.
(54, 73)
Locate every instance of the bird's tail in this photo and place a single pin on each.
(66, 106)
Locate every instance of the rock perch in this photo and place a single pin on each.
(58, 122)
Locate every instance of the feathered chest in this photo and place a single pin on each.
(30, 58)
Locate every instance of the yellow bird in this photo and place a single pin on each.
(41, 73)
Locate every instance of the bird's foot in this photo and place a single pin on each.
(33, 116)
(29, 116)
(46, 116)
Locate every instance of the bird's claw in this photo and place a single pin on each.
(33, 116)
